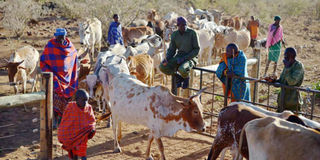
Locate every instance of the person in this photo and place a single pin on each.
(292, 75)
(115, 31)
(274, 39)
(234, 63)
(253, 27)
(77, 126)
(60, 58)
(182, 53)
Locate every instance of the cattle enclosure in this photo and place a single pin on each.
(46, 112)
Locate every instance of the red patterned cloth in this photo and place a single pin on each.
(61, 60)
(75, 127)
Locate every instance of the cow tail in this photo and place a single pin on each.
(241, 141)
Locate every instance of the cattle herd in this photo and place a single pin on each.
(122, 80)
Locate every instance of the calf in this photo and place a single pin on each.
(131, 33)
(141, 66)
(95, 90)
(22, 66)
(154, 107)
(273, 138)
(231, 120)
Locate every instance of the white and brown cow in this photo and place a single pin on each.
(156, 107)
(22, 66)
(272, 138)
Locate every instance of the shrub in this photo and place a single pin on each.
(17, 13)
(316, 86)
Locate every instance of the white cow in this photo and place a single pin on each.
(272, 138)
(206, 40)
(22, 66)
(170, 19)
(148, 45)
(154, 107)
(90, 35)
(230, 35)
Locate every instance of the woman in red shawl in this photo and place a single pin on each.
(77, 126)
(60, 58)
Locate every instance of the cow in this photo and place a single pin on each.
(141, 66)
(231, 120)
(234, 22)
(260, 44)
(90, 35)
(206, 42)
(229, 35)
(155, 107)
(131, 33)
(170, 19)
(217, 15)
(139, 22)
(148, 45)
(231, 126)
(273, 138)
(22, 67)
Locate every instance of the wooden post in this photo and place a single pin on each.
(255, 73)
(46, 118)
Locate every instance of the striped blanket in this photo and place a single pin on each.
(61, 60)
(75, 127)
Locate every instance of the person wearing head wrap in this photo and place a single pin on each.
(234, 63)
(77, 126)
(115, 31)
(274, 39)
(182, 53)
(292, 75)
(60, 58)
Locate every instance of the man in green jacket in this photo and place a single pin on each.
(186, 41)
(292, 75)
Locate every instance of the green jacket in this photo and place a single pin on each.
(187, 45)
(292, 76)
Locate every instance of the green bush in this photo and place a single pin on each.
(316, 86)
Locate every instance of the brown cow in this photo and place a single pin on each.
(230, 123)
(131, 33)
(141, 66)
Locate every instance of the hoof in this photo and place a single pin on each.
(149, 158)
(117, 150)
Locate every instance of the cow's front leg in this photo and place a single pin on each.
(149, 157)
(161, 148)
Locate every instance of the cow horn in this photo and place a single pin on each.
(198, 93)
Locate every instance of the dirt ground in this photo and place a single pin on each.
(301, 31)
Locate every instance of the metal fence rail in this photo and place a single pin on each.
(255, 90)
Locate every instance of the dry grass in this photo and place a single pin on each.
(17, 14)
